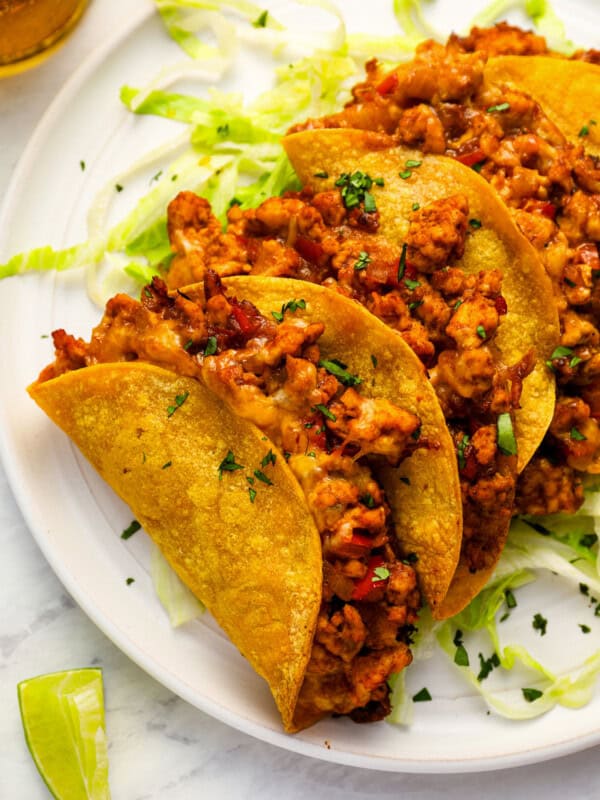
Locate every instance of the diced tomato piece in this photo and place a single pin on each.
(548, 210)
(364, 586)
(474, 157)
(501, 306)
(388, 84)
(309, 250)
(246, 325)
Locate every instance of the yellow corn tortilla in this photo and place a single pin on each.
(568, 91)
(262, 585)
(532, 318)
(428, 509)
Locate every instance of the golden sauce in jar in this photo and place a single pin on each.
(28, 27)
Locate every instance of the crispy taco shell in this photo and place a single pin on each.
(262, 585)
(426, 504)
(568, 91)
(531, 320)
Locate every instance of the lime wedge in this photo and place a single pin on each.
(63, 720)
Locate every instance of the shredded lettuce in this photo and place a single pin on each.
(177, 600)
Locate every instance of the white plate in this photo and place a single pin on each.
(77, 520)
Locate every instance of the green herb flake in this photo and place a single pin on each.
(355, 189)
(416, 206)
(460, 450)
(290, 305)
(577, 436)
(475, 223)
(129, 581)
(380, 574)
(585, 628)
(410, 284)
(322, 174)
(374, 361)
(584, 131)
(570, 283)
(118, 187)
(416, 304)
(228, 464)
(174, 177)
(504, 616)
(363, 260)
(82, 166)
(574, 361)
(412, 164)
(234, 202)
(156, 176)
(486, 665)
(478, 166)
(367, 500)
(262, 477)
(133, 527)
(277, 316)
(499, 108)
(457, 305)
(531, 694)
(378, 181)
(402, 262)
(325, 411)
(539, 624)
(410, 558)
(270, 458)
(422, 697)
(405, 174)
(250, 480)
(179, 401)
(370, 204)
(188, 344)
(584, 589)
(405, 480)
(261, 20)
(251, 494)
(148, 292)
(211, 346)
(461, 657)
(481, 332)
(338, 369)
(166, 465)
(223, 130)
(511, 600)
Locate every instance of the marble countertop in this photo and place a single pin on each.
(161, 747)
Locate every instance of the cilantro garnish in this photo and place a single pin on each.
(577, 436)
(325, 411)
(179, 401)
(270, 458)
(82, 166)
(322, 174)
(228, 464)
(531, 694)
(416, 206)
(458, 304)
(291, 305)
(511, 600)
(410, 284)
(129, 581)
(539, 624)
(487, 665)
(118, 187)
(481, 332)
(422, 696)
(363, 260)
(367, 500)
(374, 360)
(405, 480)
(380, 574)
(166, 465)
(585, 129)
(585, 628)
(188, 344)
(410, 558)
(355, 189)
(262, 477)
(588, 540)
(132, 528)
(460, 450)
(475, 223)
(461, 657)
(251, 494)
(402, 262)
(405, 174)
(338, 368)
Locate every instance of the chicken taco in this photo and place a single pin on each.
(446, 269)
(250, 446)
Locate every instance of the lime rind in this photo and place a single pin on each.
(63, 721)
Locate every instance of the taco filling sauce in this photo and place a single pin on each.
(449, 318)
(442, 103)
(270, 371)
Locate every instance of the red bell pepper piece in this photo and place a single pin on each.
(388, 84)
(474, 157)
(246, 325)
(364, 586)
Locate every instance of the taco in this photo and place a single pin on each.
(249, 446)
(442, 103)
(446, 268)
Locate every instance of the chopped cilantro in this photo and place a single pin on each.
(228, 464)
(478, 166)
(129, 581)
(584, 588)
(460, 450)
(416, 206)
(458, 304)
(461, 657)
(251, 494)
(374, 360)
(584, 131)
(250, 480)
(570, 283)
(118, 187)
(148, 292)
(475, 223)
(262, 477)
(378, 181)
(422, 696)
(166, 465)
(277, 316)
(410, 284)
(574, 361)
(325, 411)
(588, 540)
(585, 628)
(322, 174)
(367, 500)
(132, 528)
(290, 305)
(402, 262)
(261, 20)
(179, 401)
(270, 458)
(223, 130)
(338, 368)
(412, 164)
(405, 174)
(370, 205)
(416, 304)
(487, 665)
(416, 434)
(539, 624)
(405, 480)
(481, 332)
(531, 694)
(188, 344)
(410, 558)
(355, 189)
(499, 108)
(234, 202)
(82, 166)
(156, 176)
(174, 177)
(363, 260)
(211, 346)
(511, 600)
(577, 436)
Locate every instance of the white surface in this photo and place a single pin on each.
(160, 747)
